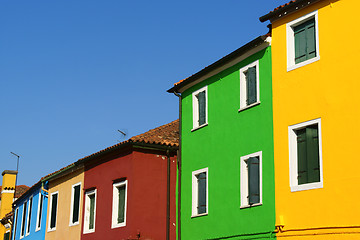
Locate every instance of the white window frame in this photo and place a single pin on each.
(15, 223)
(290, 41)
(28, 216)
(243, 89)
(194, 212)
(115, 204)
(244, 173)
(195, 106)
(72, 204)
(57, 205)
(38, 212)
(23, 221)
(294, 186)
(87, 211)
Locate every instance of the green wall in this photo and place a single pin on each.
(229, 135)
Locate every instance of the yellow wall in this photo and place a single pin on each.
(9, 179)
(64, 186)
(326, 89)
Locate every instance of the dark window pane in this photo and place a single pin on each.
(76, 206)
(40, 209)
(23, 219)
(30, 211)
(53, 210)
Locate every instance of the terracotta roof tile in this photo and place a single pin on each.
(167, 134)
(20, 190)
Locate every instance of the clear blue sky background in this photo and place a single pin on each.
(73, 72)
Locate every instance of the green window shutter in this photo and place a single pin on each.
(92, 211)
(53, 210)
(40, 209)
(308, 155)
(310, 39)
(251, 96)
(312, 140)
(23, 219)
(305, 41)
(121, 206)
(202, 107)
(302, 156)
(254, 180)
(201, 193)
(76, 202)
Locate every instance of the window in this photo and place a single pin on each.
(251, 180)
(53, 211)
(23, 218)
(200, 104)
(90, 211)
(75, 204)
(305, 155)
(29, 216)
(39, 212)
(15, 223)
(249, 85)
(119, 204)
(200, 192)
(302, 41)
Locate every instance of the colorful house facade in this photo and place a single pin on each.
(30, 213)
(129, 188)
(227, 172)
(316, 114)
(65, 203)
(7, 198)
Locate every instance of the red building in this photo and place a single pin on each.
(129, 188)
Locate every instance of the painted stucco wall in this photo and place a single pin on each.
(146, 173)
(326, 89)
(218, 146)
(34, 233)
(64, 185)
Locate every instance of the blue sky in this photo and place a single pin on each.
(73, 72)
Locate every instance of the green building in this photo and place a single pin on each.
(227, 164)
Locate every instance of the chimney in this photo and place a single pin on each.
(7, 192)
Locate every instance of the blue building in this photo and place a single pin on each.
(30, 213)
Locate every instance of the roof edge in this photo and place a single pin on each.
(287, 9)
(222, 61)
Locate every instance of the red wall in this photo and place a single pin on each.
(146, 172)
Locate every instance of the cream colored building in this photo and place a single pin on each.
(65, 203)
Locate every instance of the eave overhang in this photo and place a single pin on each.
(287, 9)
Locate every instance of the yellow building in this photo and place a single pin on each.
(316, 115)
(64, 213)
(7, 198)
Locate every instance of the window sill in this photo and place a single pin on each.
(118, 225)
(295, 66)
(249, 206)
(249, 106)
(73, 224)
(201, 126)
(89, 231)
(38, 229)
(51, 230)
(307, 186)
(199, 215)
